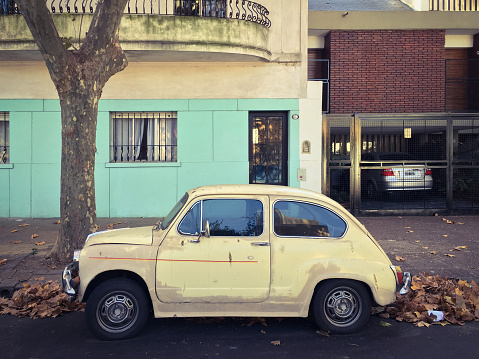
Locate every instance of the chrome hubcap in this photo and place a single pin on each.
(117, 312)
(342, 306)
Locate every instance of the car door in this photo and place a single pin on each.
(229, 262)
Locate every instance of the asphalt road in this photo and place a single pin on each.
(68, 337)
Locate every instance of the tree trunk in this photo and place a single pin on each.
(77, 198)
(79, 77)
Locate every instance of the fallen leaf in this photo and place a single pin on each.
(456, 300)
(460, 248)
(400, 259)
(15, 230)
(16, 242)
(276, 342)
(433, 252)
(384, 324)
(39, 300)
(40, 243)
(23, 225)
(2, 262)
(322, 332)
(57, 222)
(34, 236)
(425, 247)
(262, 331)
(449, 255)
(261, 321)
(422, 324)
(444, 235)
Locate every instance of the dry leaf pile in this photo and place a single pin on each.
(39, 300)
(456, 300)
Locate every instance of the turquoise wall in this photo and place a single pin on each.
(212, 149)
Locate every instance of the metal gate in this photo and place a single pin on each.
(403, 164)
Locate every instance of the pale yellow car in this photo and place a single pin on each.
(236, 251)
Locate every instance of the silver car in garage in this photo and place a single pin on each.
(398, 171)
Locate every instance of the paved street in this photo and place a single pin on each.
(68, 337)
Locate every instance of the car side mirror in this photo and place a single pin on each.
(206, 229)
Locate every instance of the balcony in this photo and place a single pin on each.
(453, 5)
(442, 5)
(155, 30)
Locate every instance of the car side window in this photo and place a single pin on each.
(300, 219)
(190, 224)
(233, 217)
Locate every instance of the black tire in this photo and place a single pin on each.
(341, 306)
(117, 309)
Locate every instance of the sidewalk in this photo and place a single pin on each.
(25, 244)
(447, 246)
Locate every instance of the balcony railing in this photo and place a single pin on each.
(453, 5)
(233, 9)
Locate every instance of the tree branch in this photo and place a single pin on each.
(45, 34)
(106, 21)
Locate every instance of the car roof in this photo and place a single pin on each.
(257, 189)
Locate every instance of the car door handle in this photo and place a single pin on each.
(194, 240)
(260, 244)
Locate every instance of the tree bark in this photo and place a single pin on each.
(79, 77)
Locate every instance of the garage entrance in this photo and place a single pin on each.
(402, 163)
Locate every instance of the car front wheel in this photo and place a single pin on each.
(341, 306)
(117, 309)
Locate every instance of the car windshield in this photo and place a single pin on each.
(174, 211)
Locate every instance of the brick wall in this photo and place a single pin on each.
(386, 71)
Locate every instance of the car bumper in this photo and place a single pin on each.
(70, 280)
(405, 287)
(398, 185)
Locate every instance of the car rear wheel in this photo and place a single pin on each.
(342, 306)
(117, 309)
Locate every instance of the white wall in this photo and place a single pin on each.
(310, 129)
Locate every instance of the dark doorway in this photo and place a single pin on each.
(268, 148)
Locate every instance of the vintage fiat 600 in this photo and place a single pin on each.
(239, 251)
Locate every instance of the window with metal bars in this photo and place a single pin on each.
(4, 138)
(143, 137)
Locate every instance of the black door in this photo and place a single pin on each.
(268, 150)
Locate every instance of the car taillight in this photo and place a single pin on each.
(387, 172)
(400, 278)
(399, 274)
(428, 172)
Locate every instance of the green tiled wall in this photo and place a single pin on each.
(212, 149)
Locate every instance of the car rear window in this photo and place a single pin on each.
(300, 219)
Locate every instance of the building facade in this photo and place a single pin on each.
(211, 95)
(276, 92)
(401, 88)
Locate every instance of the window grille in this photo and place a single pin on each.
(4, 138)
(143, 137)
